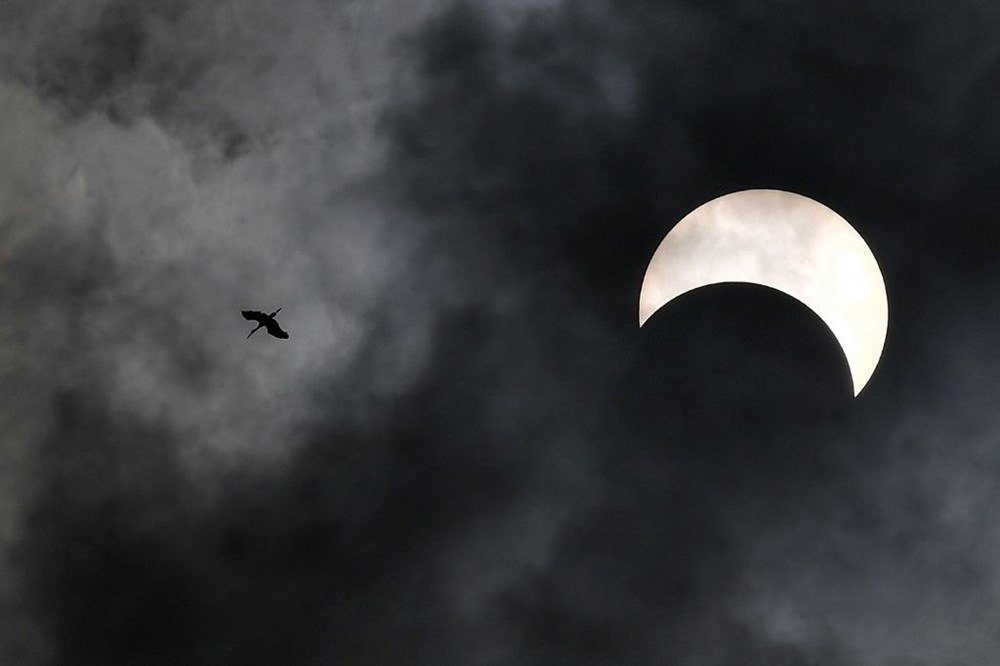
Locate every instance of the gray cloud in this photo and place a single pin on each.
(165, 166)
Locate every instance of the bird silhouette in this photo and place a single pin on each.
(267, 321)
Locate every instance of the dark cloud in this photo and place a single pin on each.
(518, 139)
(467, 453)
(108, 54)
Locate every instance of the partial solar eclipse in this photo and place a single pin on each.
(787, 242)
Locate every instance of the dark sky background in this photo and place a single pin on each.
(468, 453)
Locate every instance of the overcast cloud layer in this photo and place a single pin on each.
(467, 453)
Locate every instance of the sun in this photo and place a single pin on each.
(787, 242)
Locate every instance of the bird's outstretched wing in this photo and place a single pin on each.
(275, 330)
(254, 315)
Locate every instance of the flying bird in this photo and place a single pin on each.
(267, 321)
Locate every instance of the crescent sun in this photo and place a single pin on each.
(787, 242)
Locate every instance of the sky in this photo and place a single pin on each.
(467, 452)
